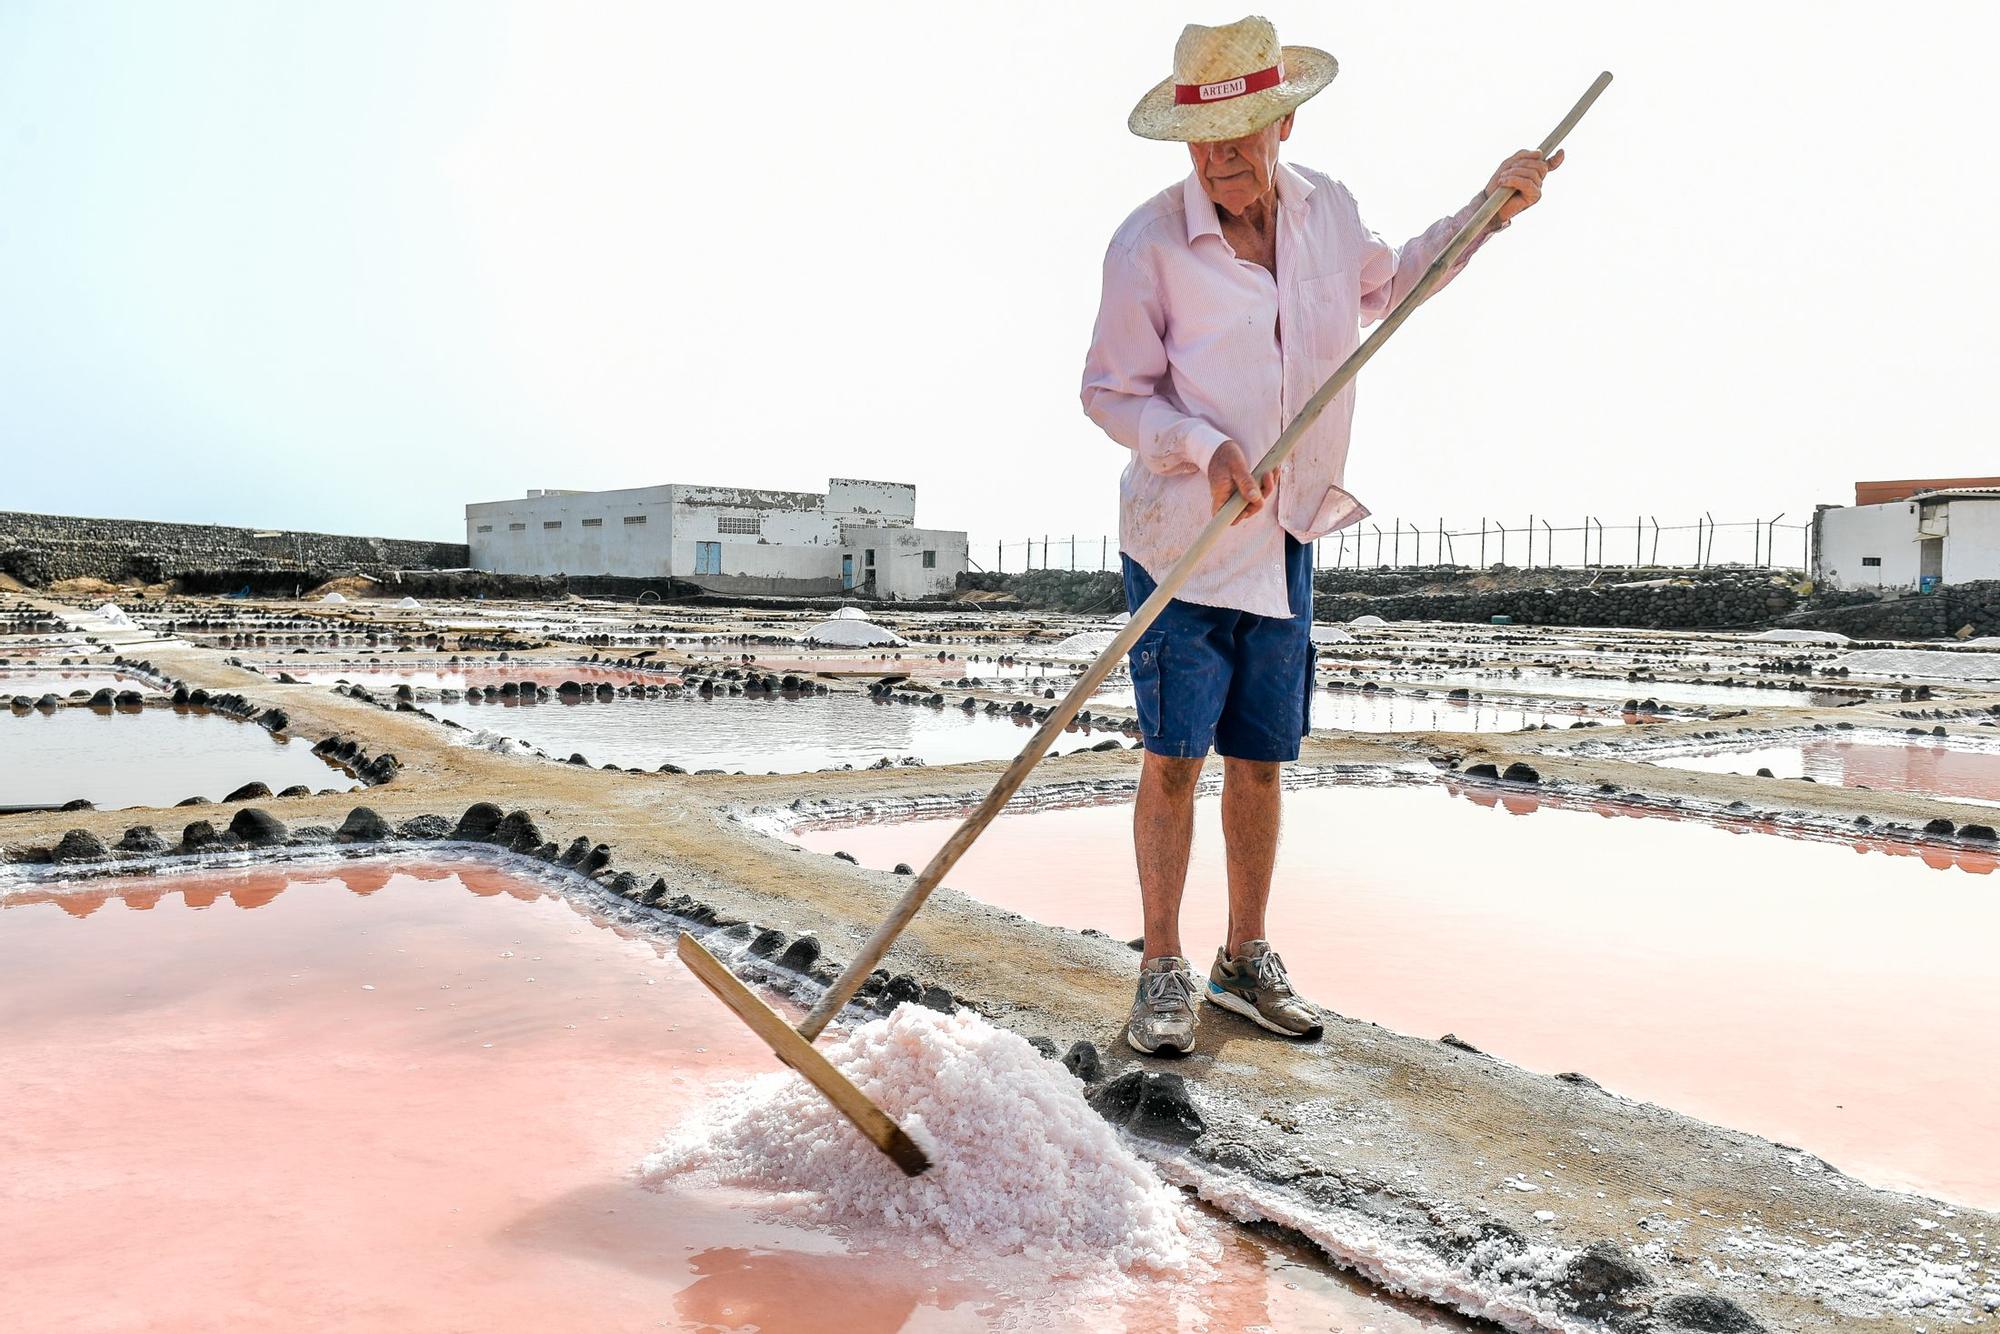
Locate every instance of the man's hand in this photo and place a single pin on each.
(1524, 173)
(1229, 473)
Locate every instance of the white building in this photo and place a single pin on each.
(859, 536)
(1910, 535)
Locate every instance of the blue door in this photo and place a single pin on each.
(847, 571)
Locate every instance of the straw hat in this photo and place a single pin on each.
(1230, 81)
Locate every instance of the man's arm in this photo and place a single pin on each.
(1388, 274)
(1126, 364)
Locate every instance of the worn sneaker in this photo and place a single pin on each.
(1162, 1021)
(1254, 985)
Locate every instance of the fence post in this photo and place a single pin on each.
(1638, 536)
(1482, 541)
(1396, 546)
(1549, 529)
(1531, 541)
(1104, 552)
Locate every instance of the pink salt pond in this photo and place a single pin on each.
(375, 1096)
(1841, 997)
(1885, 761)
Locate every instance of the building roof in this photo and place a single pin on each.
(1959, 493)
(1883, 493)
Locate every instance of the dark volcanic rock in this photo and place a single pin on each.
(1482, 770)
(141, 838)
(1706, 1312)
(78, 804)
(518, 831)
(258, 828)
(297, 790)
(1156, 1106)
(1940, 826)
(1603, 1271)
(1045, 1045)
(900, 989)
(1518, 772)
(1084, 1062)
(937, 998)
(800, 955)
(767, 942)
(595, 860)
(80, 845)
(424, 826)
(481, 818)
(249, 792)
(200, 834)
(363, 825)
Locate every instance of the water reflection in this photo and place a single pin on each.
(148, 757)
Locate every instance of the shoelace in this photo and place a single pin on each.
(1270, 974)
(1169, 990)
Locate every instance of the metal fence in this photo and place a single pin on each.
(1536, 542)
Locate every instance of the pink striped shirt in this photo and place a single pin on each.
(1194, 346)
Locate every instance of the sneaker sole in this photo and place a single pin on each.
(1164, 1049)
(1235, 1004)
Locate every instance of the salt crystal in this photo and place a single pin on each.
(1020, 1164)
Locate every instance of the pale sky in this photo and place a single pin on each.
(349, 266)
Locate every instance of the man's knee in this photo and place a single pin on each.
(1173, 774)
(1251, 773)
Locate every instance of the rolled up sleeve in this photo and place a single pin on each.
(1389, 272)
(1127, 367)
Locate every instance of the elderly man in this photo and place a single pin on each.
(1228, 299)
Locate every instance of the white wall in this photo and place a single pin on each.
(796, 548)
(899, 563)
(611, 546)
(886, 503)
(1972, 549)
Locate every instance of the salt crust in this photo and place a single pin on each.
(1366, 622)
(848, 632)
(1021, 1165)
(1920, 662)
(1084, 644)
(1330, 634)
(1801, 637)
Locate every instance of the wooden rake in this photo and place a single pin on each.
(795, 1046)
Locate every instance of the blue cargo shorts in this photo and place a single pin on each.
(1212, 677)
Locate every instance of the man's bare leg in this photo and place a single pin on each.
(1251, 797)
(1162, 835)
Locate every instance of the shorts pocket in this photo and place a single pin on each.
(1146, 681)
(1312, 680)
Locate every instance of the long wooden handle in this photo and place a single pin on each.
(975, 823)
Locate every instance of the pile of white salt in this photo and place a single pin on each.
(1021, 1165)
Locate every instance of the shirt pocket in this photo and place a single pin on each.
(1326, 322)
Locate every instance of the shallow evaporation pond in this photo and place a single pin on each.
(61, 681)
(388, 676)
(1925, 766)
(1402, 710)
(1706, 694)
(1829, 995)
(751, 733)
(148, 757)
(406, 1096)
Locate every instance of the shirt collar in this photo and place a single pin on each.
(1293, 191)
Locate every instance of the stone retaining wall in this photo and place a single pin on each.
(40, 549)
(1936, 615)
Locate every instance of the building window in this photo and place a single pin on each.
(930, 560)
(551, 523)
(485, 527)
(708, 558)
(1871, 560)
(517, 527)
(634, 518)
(748, 524)
(868, 557)
(593, 523)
